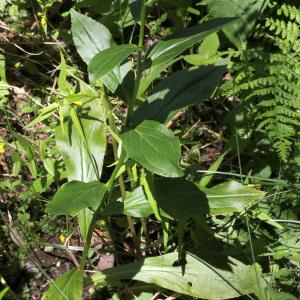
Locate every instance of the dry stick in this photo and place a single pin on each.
(171, 122)
(121, 179)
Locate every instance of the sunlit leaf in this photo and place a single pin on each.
(75, 153)
(73, 196)
(215, 278)
(67, 287)
(135, 205)
(90, 37)
(247, 12)
(174, 45)
(231, 197)
(106, 60)
(154, 147)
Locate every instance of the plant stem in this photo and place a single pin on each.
(89, 236)
(121, 179)
(139, 61)
(143, 222)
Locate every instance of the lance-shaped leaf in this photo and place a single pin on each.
(154, 147)
(90, 38)
(231, 197)
(68, 286)
(178, 91)
(247, 12)
(217, 277)
(135, 205)
(43, 114)
(172, 46)
(73, 196)
(106, 60)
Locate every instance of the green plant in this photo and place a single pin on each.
(148, 193)
(146, 153)
(266, 80)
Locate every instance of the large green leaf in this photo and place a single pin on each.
(152, 74)
(179, 198)
(231, 197)
(72, 147)
(154, 147)
(67, 287)
(246, 10)
(76, 155)
(73, 196)
(172, 46)
(178, 91)
(217, 278)
(135, 205)
(90, 37)
(106, 60)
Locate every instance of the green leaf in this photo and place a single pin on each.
(120, 81)
(179, 198)
(248, 12)
(213, 278)
(152, 74)
(207, 52)
(154, 147)
(75, 153)
(43, 114)
(209, 46)
(198, 60)
(73, 196)
(72, 147)
(181, 89)
(3, 3)
(172, 46)
(24, 145)
(90, 37)
(276, 295)
(206, 178)
(67, 287)
(3, 292)
(62, 82)
(106, 60)
(231, 197)
(135, 205)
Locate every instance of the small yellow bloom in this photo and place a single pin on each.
(78, 103)
(62, 238)
(43, 21)
(2, 148)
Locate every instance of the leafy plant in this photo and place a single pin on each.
(144, 139)
(267, 81)
(121, 178)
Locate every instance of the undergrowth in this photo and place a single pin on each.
(149, 149)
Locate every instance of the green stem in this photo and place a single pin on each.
(119, 164)
(89, 235)
(113, 176)
(144, 225)
(139, 61)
